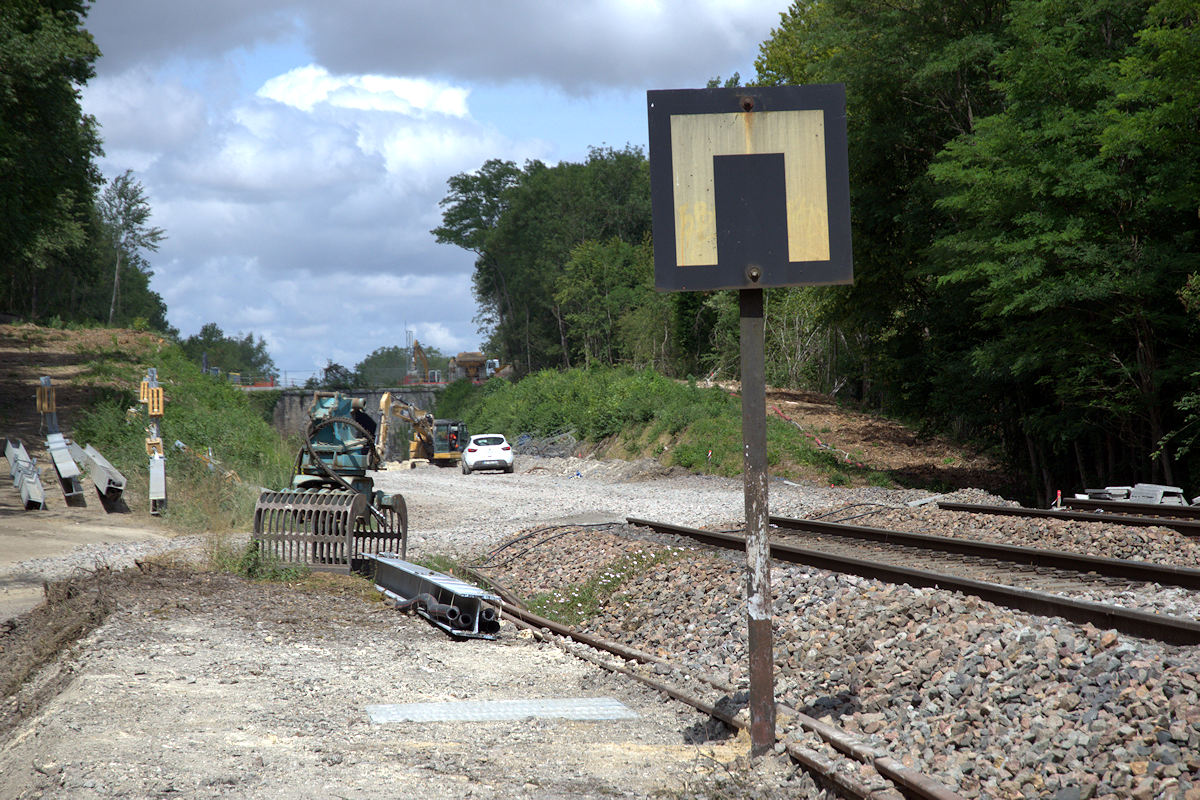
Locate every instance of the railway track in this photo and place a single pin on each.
(997, 573)
(1160, 510)
(1186, 526)
(700, 692)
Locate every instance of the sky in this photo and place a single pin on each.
(295, 151)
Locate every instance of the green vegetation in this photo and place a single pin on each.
(1024, 228)
(438, 563)
(201, 412)
(525, 226)
(571, 605)
(241, 353)
(642, 413)
(250, 562)
(70, 244)
(1024, 176)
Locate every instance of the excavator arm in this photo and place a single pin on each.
(420, 421)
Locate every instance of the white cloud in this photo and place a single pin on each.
(393, 286)
(306, 87)
(295, 150)
(437, 335)
(142, 117)
(578, 47)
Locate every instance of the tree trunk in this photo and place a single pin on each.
(562, 337)
(112, 307)
(1033, 461)
(528, 345)
(1083, 481)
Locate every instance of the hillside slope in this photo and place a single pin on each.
(889, 446)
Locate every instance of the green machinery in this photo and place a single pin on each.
(332, 514)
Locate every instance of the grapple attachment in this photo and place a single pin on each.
(328, 529)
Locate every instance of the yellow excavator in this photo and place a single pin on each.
(437, 441)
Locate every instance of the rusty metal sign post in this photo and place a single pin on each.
(750, 189)
(758, 550)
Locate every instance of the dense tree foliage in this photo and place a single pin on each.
(1024, 190)
(523, 224)
(385, 366)
(1025, 177)
(47, 176)
(390, 365)
(67, 253)
(241, 353)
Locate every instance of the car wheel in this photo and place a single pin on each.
(465, 469)
(509, 469)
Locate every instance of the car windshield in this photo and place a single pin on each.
(489, 441)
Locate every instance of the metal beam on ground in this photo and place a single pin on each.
(65, 466)
(109, 481)
(24, 475)
(455, 606)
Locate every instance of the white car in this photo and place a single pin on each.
(487, 451)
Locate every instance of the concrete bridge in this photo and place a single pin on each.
(291, 412)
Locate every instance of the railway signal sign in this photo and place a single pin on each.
(750, 189)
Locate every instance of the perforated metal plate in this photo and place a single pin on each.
(583, 708)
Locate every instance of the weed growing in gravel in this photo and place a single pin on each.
(573, 604)
(250, 562)
(438, 563)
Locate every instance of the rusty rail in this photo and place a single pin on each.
(1186, 527)
(1144, 625)
(1167, 575)
(1127, 508)
(911, 783)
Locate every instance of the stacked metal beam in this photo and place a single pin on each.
(24, 475)
(65, 466)
(109, 481)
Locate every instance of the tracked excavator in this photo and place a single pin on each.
(332, 513)
(438, 441)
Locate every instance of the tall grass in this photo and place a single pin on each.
(643, 413)
(202, 413)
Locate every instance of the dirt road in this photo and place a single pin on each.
(202, 684)
(31, 540)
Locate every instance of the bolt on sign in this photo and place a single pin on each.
(749, 187)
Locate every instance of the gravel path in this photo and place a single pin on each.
(992, 703)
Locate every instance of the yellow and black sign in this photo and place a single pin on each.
(750, 187)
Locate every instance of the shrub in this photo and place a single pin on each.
(641, 407)
(201, 413)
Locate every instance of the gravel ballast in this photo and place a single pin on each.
(988, 701)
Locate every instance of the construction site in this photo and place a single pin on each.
(386, 624)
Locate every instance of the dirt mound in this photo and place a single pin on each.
(74, 360)
(885, 445)
(70, 610)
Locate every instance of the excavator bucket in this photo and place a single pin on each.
(328, 529)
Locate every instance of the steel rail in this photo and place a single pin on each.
(1141, 624)
(1186, 527)
(1167, 575)
(911, 783)
(1136, 509)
